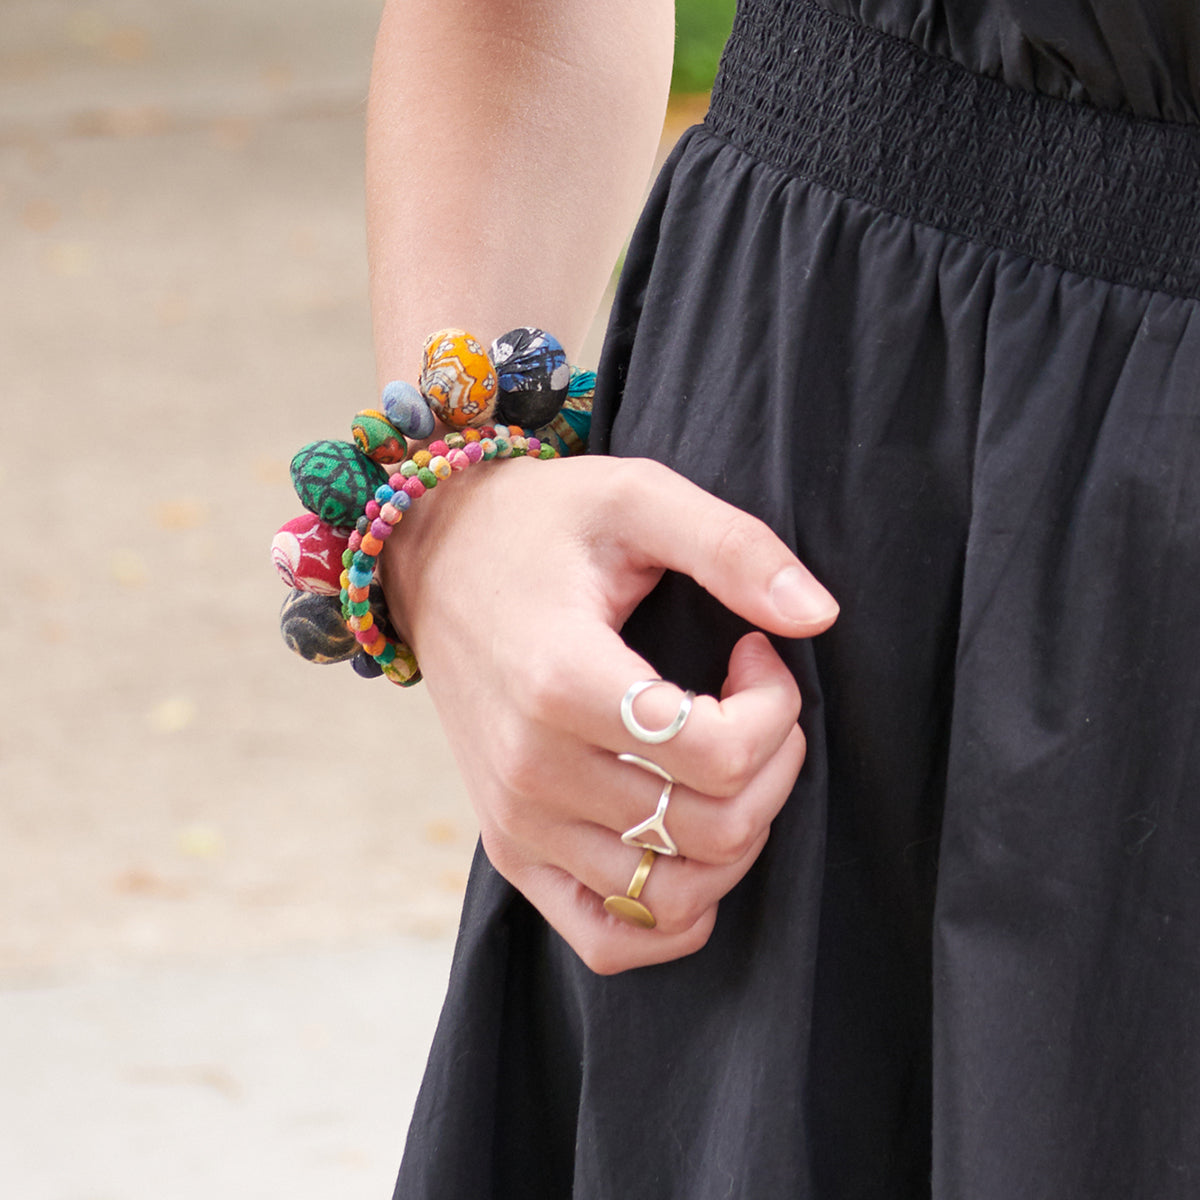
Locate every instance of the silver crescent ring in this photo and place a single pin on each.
(653, 737)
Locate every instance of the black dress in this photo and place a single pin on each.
(924, 293)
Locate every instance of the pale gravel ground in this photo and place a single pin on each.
(225, 929)
(184, 305)
(225, 932)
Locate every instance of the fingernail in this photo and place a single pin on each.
(797, 596)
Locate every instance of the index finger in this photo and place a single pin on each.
(724, 741)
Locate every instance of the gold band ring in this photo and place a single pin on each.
(628, 907)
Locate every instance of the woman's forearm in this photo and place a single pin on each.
(508, 148)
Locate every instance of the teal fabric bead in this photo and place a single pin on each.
(335, 480)
(583, 383)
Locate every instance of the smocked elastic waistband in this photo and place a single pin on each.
(875, 117)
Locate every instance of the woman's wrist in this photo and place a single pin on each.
(359, 492)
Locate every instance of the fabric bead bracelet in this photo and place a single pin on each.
(335, 610)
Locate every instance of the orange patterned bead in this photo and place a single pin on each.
(458, 379)
(371, 544)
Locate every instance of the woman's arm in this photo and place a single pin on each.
(508, 146)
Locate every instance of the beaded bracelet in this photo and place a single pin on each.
(335, 610)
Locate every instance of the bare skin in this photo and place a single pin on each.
(528, 571)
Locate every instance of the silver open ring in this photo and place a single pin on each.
(653, 737)
(656, 824)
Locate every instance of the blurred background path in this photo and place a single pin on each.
(223, 935)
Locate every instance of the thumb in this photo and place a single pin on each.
(667, 521)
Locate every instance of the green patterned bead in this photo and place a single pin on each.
(427, 477)
(335, 480)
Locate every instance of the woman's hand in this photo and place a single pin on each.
(511, 583)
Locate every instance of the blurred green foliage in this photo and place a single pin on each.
(701, 27)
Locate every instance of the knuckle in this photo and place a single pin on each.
(507, 803)
(501, 853)
(727, 765)
(733, 836)
(601, 956)
(519, 772)
(505, 815)
(680, 909)
(690, 927)
(799, 746)
(540, 684)
(628, 485)
(517, 766)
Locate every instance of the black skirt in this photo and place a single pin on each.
(944, 336)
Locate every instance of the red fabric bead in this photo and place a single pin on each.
(307, 553)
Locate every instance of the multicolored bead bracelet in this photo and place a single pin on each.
(335, 610)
